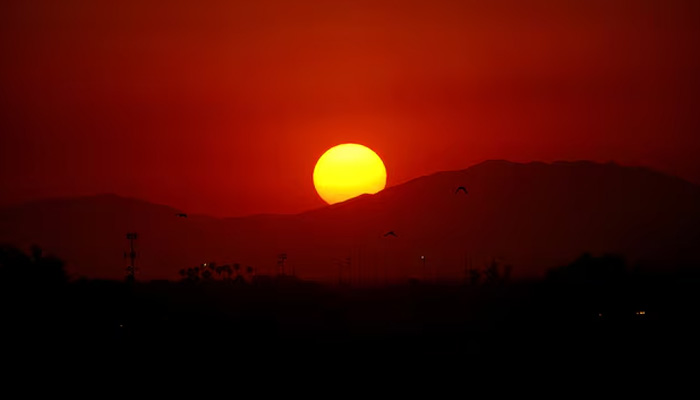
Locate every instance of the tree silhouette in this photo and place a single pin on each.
(474, 276)
(192, 275)
(206, 275)
(590, 270)
(250, 272)
(18, 268)
(220, 269)
(496, 273)
(590, 284)
(211, 271)
(491, 273)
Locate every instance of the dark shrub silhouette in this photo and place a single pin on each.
(588, 270)
(37, 269)
(594, 286)
(496, 273)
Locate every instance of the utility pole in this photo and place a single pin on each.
(131, 269)
(282, 264)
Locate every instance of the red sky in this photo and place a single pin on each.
(223, 108)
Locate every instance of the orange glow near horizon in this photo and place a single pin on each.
(348, 170)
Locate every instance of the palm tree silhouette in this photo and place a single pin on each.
(220, 269)
(249, 272)
(236, 269)
(193, 274)
(212, 267)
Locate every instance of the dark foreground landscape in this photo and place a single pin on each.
(595, 307)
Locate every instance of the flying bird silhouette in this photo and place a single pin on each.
(181, 215)
(462, 188)
(390, 233)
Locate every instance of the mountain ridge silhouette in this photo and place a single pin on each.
(531, 215)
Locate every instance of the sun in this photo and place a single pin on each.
(348, 170)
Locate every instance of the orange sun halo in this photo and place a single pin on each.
(348, 170)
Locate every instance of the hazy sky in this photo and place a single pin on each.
(223, 108)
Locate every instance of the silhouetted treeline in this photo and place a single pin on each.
(592, 306)
(19, 269)
(212, 271)
(605, 287)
